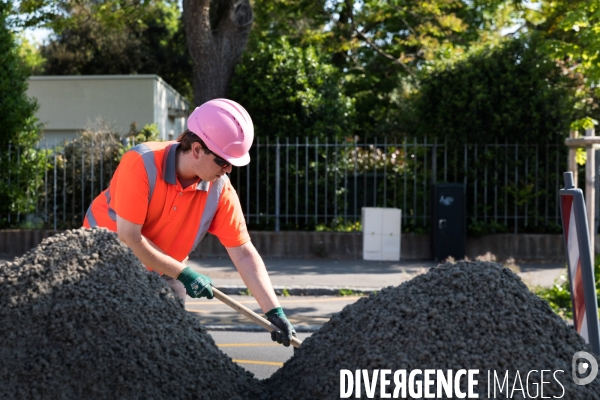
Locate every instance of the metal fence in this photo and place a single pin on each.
(306, 185)
(53, 187)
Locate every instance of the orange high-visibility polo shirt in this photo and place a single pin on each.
(144, 190)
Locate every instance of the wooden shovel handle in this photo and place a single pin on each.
(251, 314)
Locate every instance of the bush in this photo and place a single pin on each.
(19, 128)
(559, 295)
(513, 92)
(292, 92)
(15, 107)
(84, 168)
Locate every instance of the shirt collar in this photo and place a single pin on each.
(170, 174)
(203, 185)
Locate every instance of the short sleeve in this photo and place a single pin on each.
(229, 224)
(129, 189)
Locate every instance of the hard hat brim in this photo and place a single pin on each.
(238, 162)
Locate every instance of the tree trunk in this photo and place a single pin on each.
(215, 47)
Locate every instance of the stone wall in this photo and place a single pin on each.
(338, 245)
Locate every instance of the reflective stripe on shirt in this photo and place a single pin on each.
(111, 213)
(149, 166)
(90, 217)
(210, 208)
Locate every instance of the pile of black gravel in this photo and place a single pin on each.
(470, 315)
(81, 318)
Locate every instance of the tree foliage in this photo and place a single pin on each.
(56, 14)
(302, 22)
(292, 92)
(385, 47)
(382, 50)
(19, 125)
(154, 43)
(30, 54)
(15, 106)
(512, 92)
(571, 33)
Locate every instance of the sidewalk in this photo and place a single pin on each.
(310, 289)
(314, 287)
(327, 277)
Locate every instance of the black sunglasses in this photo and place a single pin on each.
(219, 161)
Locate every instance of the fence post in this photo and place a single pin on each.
(590, 190)
(54, 206)
(64, 185)
(434, 162)
(9, 173)
(18, 180)
(46, 179)
(590, 142)
(277, 185)
(572, 164)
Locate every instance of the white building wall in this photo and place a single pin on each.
(69, 104)
(170, 110)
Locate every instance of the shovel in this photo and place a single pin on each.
(251, 314)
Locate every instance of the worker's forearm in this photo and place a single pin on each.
(151, 256)
(258, 282)
(254, 274)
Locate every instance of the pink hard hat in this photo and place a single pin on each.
(226, 128)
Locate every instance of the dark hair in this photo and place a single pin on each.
(187, 138)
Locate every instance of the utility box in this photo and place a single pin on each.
(381, 233)
(448, 231)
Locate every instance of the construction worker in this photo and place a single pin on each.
(165, 196)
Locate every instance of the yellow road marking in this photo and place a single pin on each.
(342, 298)
(213, 303)
(276, 364)
(247, 344)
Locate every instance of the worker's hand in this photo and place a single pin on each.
(196, 285)
(278, 318)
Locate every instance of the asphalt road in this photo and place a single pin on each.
(254, 351)
(249, 345)
(306, 313)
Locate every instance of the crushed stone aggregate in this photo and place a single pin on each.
(468, 315)
(80, 317)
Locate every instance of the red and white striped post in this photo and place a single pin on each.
(581, 266)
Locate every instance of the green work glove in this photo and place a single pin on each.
(196, 285)
(278, 318)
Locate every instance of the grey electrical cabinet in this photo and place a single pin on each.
(448, 231)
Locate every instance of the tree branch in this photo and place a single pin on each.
(384, 54)
(372, 44)
(511, 34)
(410, 28)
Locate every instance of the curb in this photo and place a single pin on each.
(251, 328)
(303, 291)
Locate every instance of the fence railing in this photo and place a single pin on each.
(305, 185)
(302, 185)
